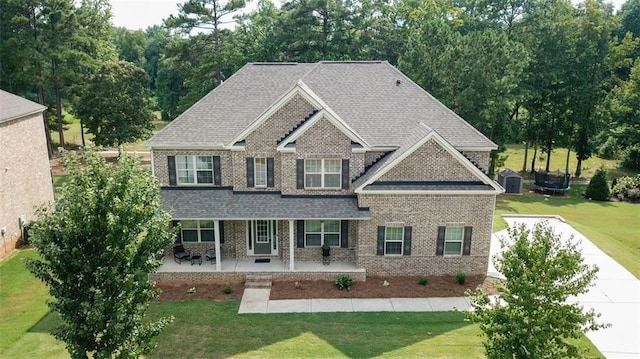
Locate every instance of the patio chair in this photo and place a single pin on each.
(210, 255)
(180, 253)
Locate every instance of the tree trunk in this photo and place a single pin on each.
(579, 168)
(550, 142)
(47, 130)
(82, 132)
(566, 165)
(526, 142)
(59, 114)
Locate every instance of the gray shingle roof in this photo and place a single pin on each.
(225, 204)
(12, 106)
(366, 95)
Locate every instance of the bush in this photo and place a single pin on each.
(424, 281)
(227, 289)
(598, 189)
(627, 188)
(461, 277)
(631, 158)
(344, 282)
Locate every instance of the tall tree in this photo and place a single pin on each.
(533, 318)
(115, 104)
(96, 247)
(130, 45)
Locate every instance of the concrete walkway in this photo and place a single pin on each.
(257, 301)
(615, 295)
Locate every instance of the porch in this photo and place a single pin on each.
(239, 268)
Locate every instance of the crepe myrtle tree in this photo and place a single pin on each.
(97, 244)
(534, 315)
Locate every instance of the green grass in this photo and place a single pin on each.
(612, 226)
(205, 329)
(558, 160)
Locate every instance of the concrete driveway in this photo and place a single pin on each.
(616, 294)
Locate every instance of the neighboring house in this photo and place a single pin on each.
(285, 157)
(25, 175)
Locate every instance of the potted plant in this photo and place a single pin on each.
(326, 252)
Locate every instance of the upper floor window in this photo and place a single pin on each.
(260, 171)
(194, 169)
(322, 173)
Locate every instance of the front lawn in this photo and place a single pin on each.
(206, 329)
(612, 226)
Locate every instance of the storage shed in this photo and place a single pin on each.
(510, 180)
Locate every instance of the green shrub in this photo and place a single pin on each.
(424, 281)
(627, 188)
(227, 289)
(461, 277)
(598, 189)
(344, 282)
(631, 158)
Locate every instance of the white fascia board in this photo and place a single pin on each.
(236, 148)
(337, 122)
(477, 149)
(297, 89)
(271, 219)
(415, 192)
(187, 147)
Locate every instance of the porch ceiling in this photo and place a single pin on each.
(222, 203)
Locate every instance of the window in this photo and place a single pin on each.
(194, 169)
(197, 231)
(453, 238)
(322, 173)
(393, 240)
(260, 171)
(317, 233)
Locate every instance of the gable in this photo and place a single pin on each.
(430, 162)
(322, 138)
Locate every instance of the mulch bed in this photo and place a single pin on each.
(399, 287)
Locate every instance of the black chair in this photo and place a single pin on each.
(210, 255)
(180, 253)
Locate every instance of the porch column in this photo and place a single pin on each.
(216, 229)
(291, 246)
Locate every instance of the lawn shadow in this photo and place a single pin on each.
(46, 324)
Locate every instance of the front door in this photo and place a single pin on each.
(262, 238)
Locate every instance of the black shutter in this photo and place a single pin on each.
(178, 233)
(407, 241)
(344, 234)
(270, 175)
(217, 175)
(346, 181)
(380, 249)
(300, 234)
(440, 241)
(173, 180)
(300, 173)
(250, 179)
(221, 231)
(466, 244)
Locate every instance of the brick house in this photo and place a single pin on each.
(25, 175)
(285, 157)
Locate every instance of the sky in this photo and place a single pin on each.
(140, 14)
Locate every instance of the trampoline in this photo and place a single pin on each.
(554, 183)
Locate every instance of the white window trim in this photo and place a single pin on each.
(323, 173)
(255, 172)
(198, 230)
(194, 163)
(394, 241)
(322, 233)
(461, 241)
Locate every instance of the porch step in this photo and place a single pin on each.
(258, 281)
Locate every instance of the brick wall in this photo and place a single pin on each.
(431, 162)
(425, 213)
(25, 175)
(482, 158)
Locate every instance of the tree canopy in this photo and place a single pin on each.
(104, 234)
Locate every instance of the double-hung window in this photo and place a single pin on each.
(318, 233)
(194, 169)
(393, 240)
(260, 171)
(197, 231)
(453, 238)
(322, 173)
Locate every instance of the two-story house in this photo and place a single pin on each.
(283, 158)
(25, 174)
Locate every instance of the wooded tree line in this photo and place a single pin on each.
(545, 73)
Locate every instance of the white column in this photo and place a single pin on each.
(216, 230)
(291, 246)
